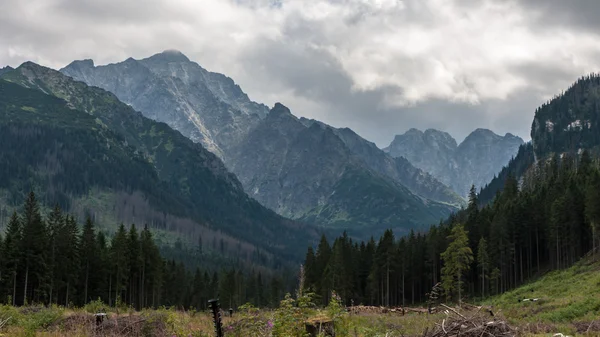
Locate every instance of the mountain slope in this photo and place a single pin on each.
(399, 169)
(209, 108)
(307, 172)
(473, 162)
(205, 193)
(569, 122)
(206, 107)
(5, 70)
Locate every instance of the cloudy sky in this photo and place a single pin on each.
(377, 66)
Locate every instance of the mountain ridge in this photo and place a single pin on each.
(472, 162)
(168, 84)
(185, 166)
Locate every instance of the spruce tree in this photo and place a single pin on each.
(482, 262)
(592, 205)
(88, 254)
(34, 246)
(67, 250)
(457, 260)
(12, 255)
(119, 256)
(55, 223)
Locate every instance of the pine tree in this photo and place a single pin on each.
(457, 260)
(34, 247)
(55, 223)
(120, 262)
(482, 262)
(12, 254)
(67, 250)
(592, 205)
(88, 253)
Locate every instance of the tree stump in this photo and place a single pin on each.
(320, 324)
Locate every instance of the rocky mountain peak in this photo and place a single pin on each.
(5, 69)
(475, 161)
(82, 64)
(170, 55)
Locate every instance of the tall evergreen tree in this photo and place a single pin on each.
(457, 260)
(12, 255)
(482, 262)
(88, 253)
(34, 246)
(592, 205)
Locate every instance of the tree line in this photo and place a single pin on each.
(52, 260)
(546, 220)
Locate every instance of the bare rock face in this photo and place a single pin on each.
(306, 170)
(474, 162)
(208, 108)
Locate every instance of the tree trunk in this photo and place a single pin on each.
(25, 290)
(14, 297)
(458, 286)
(387, 290)
(483, 280)
(403, 304)
(109, 289)
(537, 247)
(593, 241)
(67, 296)
(87, 274)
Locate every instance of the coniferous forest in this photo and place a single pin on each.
(55, 260)
(545, 221)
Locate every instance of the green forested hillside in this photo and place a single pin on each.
(155, 175)
(546, 224)
(570, 121)
(54, 260)
(516, 167)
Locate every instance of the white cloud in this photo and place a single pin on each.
(401, 54)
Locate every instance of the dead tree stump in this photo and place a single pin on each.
(317, 325)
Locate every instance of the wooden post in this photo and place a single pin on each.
(214, 305)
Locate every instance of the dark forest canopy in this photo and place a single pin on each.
(53, 260)
(547, 223)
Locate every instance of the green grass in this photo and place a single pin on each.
(567, 298)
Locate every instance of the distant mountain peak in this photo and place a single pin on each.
(6, 69)
(279, 110)
(171, 55)
(82, 64)
(481, 154)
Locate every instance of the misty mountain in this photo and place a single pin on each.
(475, 161)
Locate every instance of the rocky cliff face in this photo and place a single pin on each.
(206, 107)
(474, 162)
(306, 171)
(399, 169)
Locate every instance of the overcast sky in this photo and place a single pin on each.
(377, 66)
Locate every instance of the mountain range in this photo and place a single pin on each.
(474, 162)
(85, 149)
(296, 169)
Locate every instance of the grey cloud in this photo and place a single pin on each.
(291, 51)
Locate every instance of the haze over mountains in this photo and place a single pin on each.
(474, 162)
